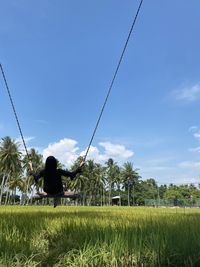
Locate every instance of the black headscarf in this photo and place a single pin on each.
(50, 164)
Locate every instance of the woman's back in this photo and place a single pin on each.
(53, 176)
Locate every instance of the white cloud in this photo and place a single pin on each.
(193, 129)
(196, 149)
(116, 150)
(190, 164)
(188, 94)
(197, 135)
(94, 154)
(65, 150)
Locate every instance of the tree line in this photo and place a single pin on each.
(97, 184)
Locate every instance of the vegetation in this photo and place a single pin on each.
(98, 236)
(40, 236)
(97, 184)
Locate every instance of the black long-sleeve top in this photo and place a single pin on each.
(53, 179)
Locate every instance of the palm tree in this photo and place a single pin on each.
(13, 184)
(98, 183)
(79, 183)
(91, 174)
(10, 161)
(89, 182)
(112, 171)
(118, 181)
(37, 164)
(101, 183)
(131, 178)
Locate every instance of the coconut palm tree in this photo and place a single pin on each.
(37, 164)
(118, 182)
(100, 183)
(10, 161)
(89, 182)
(90, 174)
(130, 178)
(112, 171)
(78, 184)
(13, 185)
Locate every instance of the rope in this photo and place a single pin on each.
(14, 110)
(113, 79)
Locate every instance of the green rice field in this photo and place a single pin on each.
(99, 236)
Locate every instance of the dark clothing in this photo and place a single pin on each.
(53, 179)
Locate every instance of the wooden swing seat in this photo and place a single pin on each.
(41, 195)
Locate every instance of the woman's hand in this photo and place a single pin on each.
(82, 164)
(30, 165)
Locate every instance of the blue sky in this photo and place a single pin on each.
(59, 58)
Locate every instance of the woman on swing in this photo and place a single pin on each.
(52, 176)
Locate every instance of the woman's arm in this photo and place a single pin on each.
(73, 173)
(36, 176)
(70, 174)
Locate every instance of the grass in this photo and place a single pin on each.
(98, 236)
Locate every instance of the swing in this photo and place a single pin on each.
(56, 197)
(71, 194)
(63, 195)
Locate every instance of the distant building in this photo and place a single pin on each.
(116, 200)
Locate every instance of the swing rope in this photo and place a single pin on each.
(14, 110)
(113, 79)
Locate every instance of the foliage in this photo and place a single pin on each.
(99, 236)
(96, 185)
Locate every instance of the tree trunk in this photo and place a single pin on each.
(14, 192)
(27, 191)
(119, 193)
(84, 198)
(133, 196)
(6, 200)
(110, 194)
(128, 196)
(2, 188)
(102, 196)
(32, 196)
(9, 197)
